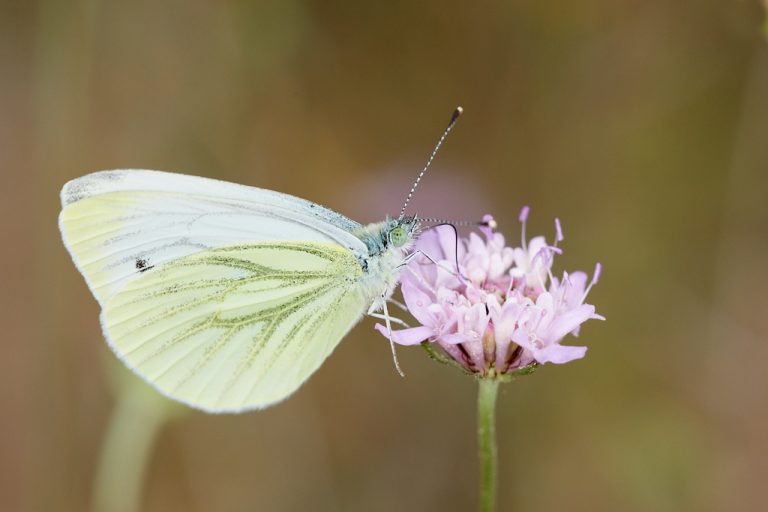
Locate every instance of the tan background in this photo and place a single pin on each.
(642, 124)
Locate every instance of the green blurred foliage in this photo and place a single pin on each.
(642, 125)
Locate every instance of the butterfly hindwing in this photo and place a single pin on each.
(235, 327)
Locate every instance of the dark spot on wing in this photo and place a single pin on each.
(143, 265)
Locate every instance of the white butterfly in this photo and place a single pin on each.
(222, 296)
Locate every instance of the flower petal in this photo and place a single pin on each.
(545, 301)
(559, 354)
(455, 339)
(418, 303)
(410, 336)
(520, 337)
(566, 322)
(474, 321)
(429, 243)
(451, 245)
(505, 320)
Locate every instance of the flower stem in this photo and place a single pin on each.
(486, 439)
(138, 416)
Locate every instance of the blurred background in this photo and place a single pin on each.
(643, 125)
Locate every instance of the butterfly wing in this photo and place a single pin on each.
(222, 296)
(116, 223)
(238, 327)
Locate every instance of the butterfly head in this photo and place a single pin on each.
(394, 236)
(402, 231)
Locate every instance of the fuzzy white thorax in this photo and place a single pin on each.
(381, 267)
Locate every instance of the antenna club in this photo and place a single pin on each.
(456, 113)
(489, 221)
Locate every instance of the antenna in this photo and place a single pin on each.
(454, 117)
(459, 223)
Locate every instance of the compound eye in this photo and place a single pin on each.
(398, 236)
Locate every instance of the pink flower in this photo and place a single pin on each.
(503, 310)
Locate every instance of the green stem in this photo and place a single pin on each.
(125, 453)
(486, 439)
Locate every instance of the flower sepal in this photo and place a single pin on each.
(521, 372)
(440, 358)
(507, 376)
(490, 374)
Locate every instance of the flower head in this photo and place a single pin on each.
(492, 308)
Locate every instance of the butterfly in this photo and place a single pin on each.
(222, 296)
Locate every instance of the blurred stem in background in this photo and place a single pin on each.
(486, 442)
(765, 19)
(139, 414)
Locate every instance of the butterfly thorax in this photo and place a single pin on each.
(388, 243)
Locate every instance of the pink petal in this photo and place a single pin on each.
(521, 338)
(559, 354)
(455, 339)
(450, 244)
(546, 302)
(536, 244)
(502, 347)
(474, 321)
(494, 308)
(418, 303)
(429, 243)
(568, 321)
(504, 320)
(410, 336)
(476, 353)
(578, 282)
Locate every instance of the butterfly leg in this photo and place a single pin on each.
(398, 304)
(392, 319)
(408, 258)
(387, 321)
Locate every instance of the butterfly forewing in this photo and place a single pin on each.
(117, 222)
(236, 327)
